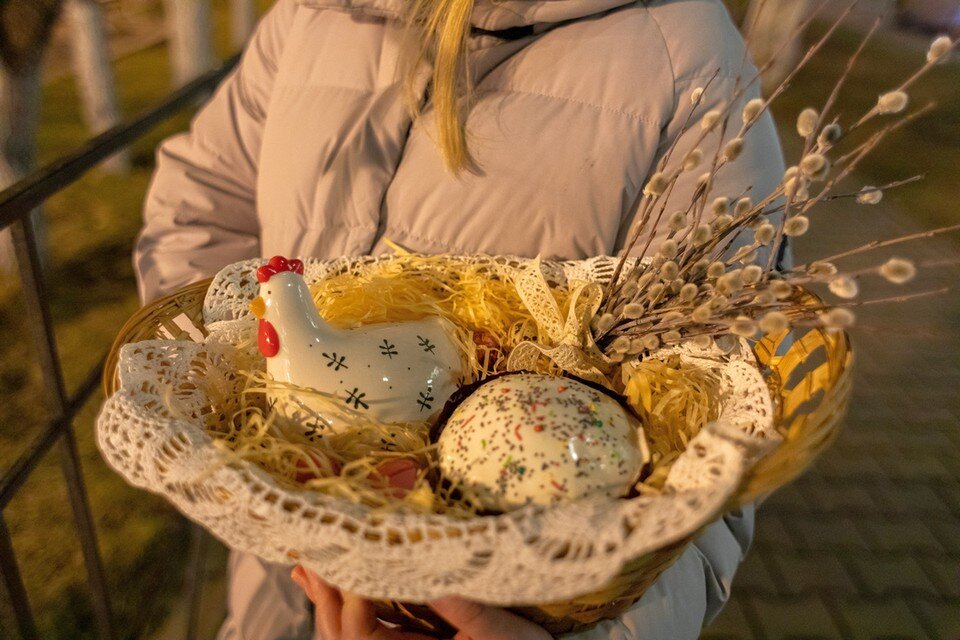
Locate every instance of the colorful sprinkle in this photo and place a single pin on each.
(483, 442)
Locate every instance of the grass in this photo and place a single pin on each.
(91, 227)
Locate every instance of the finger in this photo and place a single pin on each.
(359, 622)
(299, 577)
(479, 621)
(328, 606)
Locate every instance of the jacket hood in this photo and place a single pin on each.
(492, 15)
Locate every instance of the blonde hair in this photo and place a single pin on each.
(437, 30)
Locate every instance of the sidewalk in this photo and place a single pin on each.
(867, 543)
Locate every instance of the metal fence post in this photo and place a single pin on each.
(11, 577)
(38, 317)
(17, 203)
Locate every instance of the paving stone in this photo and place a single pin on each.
(853, 467)
(829, 534)
(921, 417)
(814, 572)
(731, 624)
(943, 618)
(934, 415)
(789, 497)
(927, 380)
(887, 619)
(791, 619)
(947, 531)
(911, 498)
(954, 434)
(901, 534)
(949, 492)
(922, 464)
(867, 543)
(836, 496)
(773, 530)
(867, 412)
(944, 573)
(755, 574)
(888, 573)
(910, 467)
(922, 439)
(933, 388)
(950, 461)
(866, 433)
(865, 438)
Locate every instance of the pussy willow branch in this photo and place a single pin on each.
(688, 121)
(864, 148)
(849, 162)
(848, 195)
(872, 301)
(715, 246)
(878, 244)
(862, 191)
(645, 204)
(946, 262)
(906, 84)
(842, 80)
(725, 114)
(811, 52)
(744, 306)
(738, 93)
(642, 205)
(653, 205)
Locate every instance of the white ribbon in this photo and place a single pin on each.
(569, 341)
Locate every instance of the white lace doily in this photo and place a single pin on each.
(532, 555)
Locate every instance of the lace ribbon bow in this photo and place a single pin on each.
(569, 343)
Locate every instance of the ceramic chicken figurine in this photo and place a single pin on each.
(398, 372)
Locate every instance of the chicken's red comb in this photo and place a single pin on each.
(278, 264)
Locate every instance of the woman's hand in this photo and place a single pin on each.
(344, 616)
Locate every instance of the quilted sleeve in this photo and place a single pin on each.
(200, 211)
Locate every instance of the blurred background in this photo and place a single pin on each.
(866, 545)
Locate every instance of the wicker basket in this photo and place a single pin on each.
(810, 379)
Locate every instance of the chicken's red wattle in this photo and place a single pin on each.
(267, 339)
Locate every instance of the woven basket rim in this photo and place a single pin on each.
(803, 441)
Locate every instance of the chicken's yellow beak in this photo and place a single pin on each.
(258, 307)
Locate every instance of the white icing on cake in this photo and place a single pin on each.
(527, 437)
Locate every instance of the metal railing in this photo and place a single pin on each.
(16, 205)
